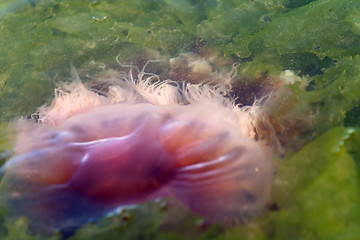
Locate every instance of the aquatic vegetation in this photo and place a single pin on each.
(41, 39)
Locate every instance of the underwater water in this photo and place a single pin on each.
(315, 192)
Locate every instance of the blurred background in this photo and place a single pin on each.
(316, 192)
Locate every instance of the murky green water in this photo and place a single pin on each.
(316, 190)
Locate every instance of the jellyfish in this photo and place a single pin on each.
(135, 139)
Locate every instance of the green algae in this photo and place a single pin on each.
(316, 189)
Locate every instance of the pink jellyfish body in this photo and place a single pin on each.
(92, 153)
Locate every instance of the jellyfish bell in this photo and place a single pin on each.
(83, 173)
(138, 140)
(224, 177)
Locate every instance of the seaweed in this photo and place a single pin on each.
(316, 190)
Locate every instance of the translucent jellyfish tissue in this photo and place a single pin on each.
(134, 139)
